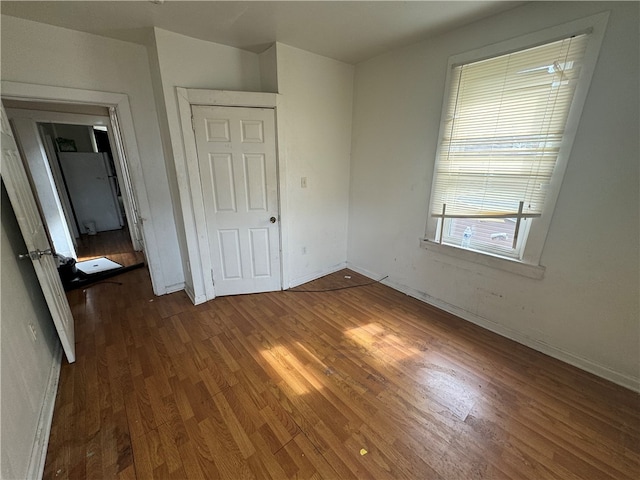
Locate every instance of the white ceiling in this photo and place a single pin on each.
(343, 30)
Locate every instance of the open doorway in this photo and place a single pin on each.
(80, 179)
(90, 191)
(72, 100)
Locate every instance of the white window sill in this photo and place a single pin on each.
(501, 263)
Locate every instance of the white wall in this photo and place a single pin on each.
(269, 69)
(42, 54)
(585, 309)
(314, 122)
(80, 134)
(27, 364)
(180, 61)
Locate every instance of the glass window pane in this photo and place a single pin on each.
(487, 235)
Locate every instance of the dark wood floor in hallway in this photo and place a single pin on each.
(354, 383)
(116, 245)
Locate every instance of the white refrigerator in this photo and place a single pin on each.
(93, 191)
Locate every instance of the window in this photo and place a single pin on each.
(507, 127)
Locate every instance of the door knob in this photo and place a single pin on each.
(272, 219)
(36, 254)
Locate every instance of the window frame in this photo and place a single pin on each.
(595, 25)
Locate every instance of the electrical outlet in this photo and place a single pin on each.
(303, 182)
(34, 334)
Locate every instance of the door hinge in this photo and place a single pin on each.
(213, 282)
(193, 124)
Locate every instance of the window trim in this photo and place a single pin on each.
(507, 264)
(534, 243)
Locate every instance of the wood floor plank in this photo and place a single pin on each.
(200, 449)
(264, 463)
(226, 454)
(323, 468)
(114, 244)
(353, 383)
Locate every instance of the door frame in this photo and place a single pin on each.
(119, 102)
(47, 116)
(188, 173)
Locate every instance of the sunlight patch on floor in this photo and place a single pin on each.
(290, 369)
(387, 346)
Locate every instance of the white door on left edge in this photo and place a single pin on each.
(237, 162)
(35, 237)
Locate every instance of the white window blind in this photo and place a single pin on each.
(503, 129)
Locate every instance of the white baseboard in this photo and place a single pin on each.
(43, 429)
(618, 378)
(317, 274)
(176, 287)
(196, 300)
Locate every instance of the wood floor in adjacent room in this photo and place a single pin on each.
(116, 245)
(354, 383)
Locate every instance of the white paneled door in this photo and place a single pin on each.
(35, 237)
(237, 162)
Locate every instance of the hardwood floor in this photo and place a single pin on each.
(354, 383)
(115, 245)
